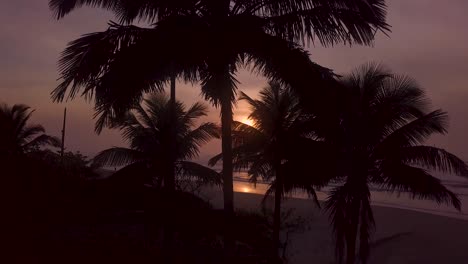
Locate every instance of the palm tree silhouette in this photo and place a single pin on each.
(148, 128)
(280, 147)
(19, 137)
(385, 119)
(207, 41)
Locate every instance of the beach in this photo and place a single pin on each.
(401, 236)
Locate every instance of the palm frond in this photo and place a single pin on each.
(155, 11)
(144, 118)
(15, 117)
(118, 156)
(17, 135)
(305, 182)
(416, 131)
(21, 117)
(330, 22)
(398, 100)
(387, 101)
(367, 80)
(248, 150)
(244, 96)
(148, 130)
(136, 127)
(127, 10)
(190, 143)
(243, 156)
(263, 112)
(42, 140)
(29, 131)
(289, 65)
(214, 160)
(309, 164)
(254, 161)
(198, 172)
(405, 93)
(431, 158)
(213, 79)
(260, 168)
(144, 140)
(86, 59)
(195, 111)
(404, 178)
(99, 63)
(63, 7)
(138, 136)
(247, 136)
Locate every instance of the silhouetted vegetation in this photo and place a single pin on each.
(310, 128)
(280, 148)
(148, 130)
(384, 120)
(62, 207)
(119, 65)
(71, 163)
(17, 136)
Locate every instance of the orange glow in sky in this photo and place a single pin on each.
(245, 189)
(247, 121)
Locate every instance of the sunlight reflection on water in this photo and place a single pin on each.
(379, 197)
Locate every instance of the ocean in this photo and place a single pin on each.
(379, 197)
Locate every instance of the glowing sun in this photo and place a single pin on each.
(248, 121)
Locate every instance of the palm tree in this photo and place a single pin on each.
(280, 147)
(148, 130)
(19, 137)
(385, 120)
(207, 41)
(162, 140)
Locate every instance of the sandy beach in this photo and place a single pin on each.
(401, 236)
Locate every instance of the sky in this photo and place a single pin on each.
(428, 42)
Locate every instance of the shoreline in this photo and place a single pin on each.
(379, 198)
(401, 235)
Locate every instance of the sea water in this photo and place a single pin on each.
(379, 197)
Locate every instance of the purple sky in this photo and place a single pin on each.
(428, 42)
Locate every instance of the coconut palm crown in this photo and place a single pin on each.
(17, 136)
(147, 129)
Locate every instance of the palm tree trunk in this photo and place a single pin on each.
(226, 137)
(352, 234)
(228, 191)
(277, 210)
(226, 147)
(351, 248)
(169, 182)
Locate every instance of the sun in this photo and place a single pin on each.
(248, 121)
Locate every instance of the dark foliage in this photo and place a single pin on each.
(117, 66)
(17, 136)
(52, 216)
(280, 148)
(384, 120)
(148, 130)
